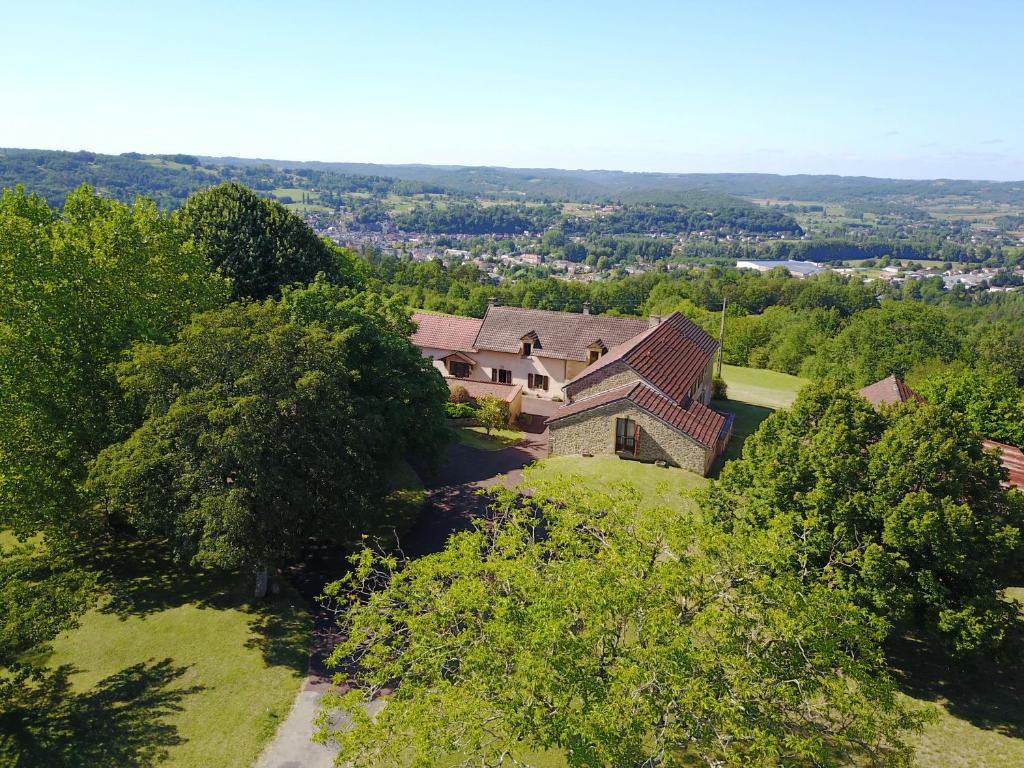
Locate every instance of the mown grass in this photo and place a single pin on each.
(173, 667)
(657, 485)
(477, 437)
(758, 386)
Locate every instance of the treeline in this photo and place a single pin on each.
(725, 216)
(832, 250)
(169, 179)
(476, 219)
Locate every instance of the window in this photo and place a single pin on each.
(593, 356)
(537, 381)
(458, 369)
(527, 349)
(627, 435)
(501, 375)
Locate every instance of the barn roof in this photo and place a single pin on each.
(694, 419)
(671, 356)
(888, 391)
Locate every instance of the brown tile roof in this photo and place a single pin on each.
(888, 391)
(1012, 459)
(478, 389)
(695, 420)
(561, 335)
(445, 331)
(671, 356)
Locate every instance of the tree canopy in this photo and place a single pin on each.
(616, 635)
(258, 243)
(267, 423)
(76, 290)
(901, 509)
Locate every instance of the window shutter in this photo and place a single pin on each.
(636, 436)
(494, 374)
(545, 383)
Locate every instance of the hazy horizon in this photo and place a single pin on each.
(904, 91)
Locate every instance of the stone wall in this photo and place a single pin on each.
(611, 376)
(594, 432)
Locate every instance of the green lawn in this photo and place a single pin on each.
(757, 386)
(657, 485)
(172, 668)
(477, 437)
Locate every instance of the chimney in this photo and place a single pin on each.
(492, 301)
(586, 307)
(653, 321)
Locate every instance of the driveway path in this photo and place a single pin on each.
(451, 504)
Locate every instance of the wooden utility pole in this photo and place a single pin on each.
(721, 338)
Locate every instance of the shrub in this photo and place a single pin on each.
(459, 410)
(459, 394)
(492, 413)
(719, 389)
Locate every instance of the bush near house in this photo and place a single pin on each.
(492, 413)
(458, 410)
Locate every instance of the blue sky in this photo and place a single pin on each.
(900, 88)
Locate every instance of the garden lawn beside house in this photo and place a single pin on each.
(657, 485)
(177, 663)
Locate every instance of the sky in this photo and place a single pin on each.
(901, 89)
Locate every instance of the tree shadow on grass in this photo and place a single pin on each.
(986, 694)
(142, 578)
(281, 631)
(748, 419)
(121, 721)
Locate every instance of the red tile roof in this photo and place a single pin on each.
(560, 335)
(1012, 459)
(888, 391)
(445, 331)
(671, 356)
(695, 420)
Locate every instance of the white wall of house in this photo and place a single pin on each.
(476, 372)
(558, 371)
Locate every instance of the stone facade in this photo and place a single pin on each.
(594, 432)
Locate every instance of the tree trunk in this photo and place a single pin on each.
(262, 577)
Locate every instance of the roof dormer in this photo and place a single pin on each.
(529, 342)
(595, 350)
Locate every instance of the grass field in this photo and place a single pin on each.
(477, 437)
(757, 386)
(173, 668)
(657, 485)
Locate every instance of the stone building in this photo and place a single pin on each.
(647, 399)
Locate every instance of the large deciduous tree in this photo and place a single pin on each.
(614, 634)
(77, 288)
(267, 423)
(988, 398)
(901, 509)
(259, 243)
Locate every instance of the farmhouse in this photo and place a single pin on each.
(537, 350)
(647, 399)
(891, 390)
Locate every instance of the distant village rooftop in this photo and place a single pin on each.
(795, 268)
